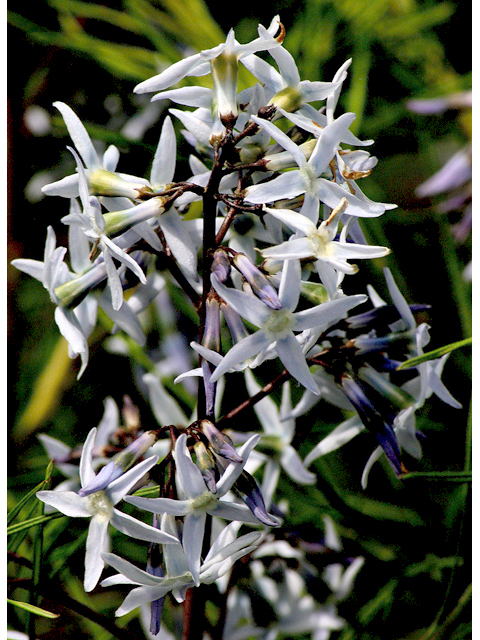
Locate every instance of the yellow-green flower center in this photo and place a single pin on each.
(100, 504)
(204, 501)
(279, 323)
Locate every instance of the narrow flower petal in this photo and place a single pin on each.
(173, 74)
(163, 166)
(67, 502)
(97, 543)
(189, 475)
(294, 220)
(234, 470)
(85, 469)
(243, 350)
(289, 289)
(243, 303)
(130, 571)
(139, 530)
(79, 136)
(293, 359)
(342, 434)
(192, 540)
(282, 138)
(327, 312)
(287, 185)
(295, 468)
(160, 505)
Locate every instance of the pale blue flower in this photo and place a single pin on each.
(221, 61)
(63, 455)
(92, 224)
(288, 91)
(199, 501)
(74, 324)
(277, 326)
(307, 179)
(320, 242)
(277, 438)
(100, 508)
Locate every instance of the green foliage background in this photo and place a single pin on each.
(414, 534)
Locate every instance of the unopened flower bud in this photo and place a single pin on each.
(272, 266)
(220, 443)
(116, 222)
(251, 152)
(392, 393)
(366, 344)
(379, 422)
(225, 79)
(380, 317)
(70, 294)
(284, 160)
(120, 463)
(235, 324)
(206, 464)
(258, 281)
(105, 183)
(288, 99)
(221, 264)
(247, 489)
(211, 335)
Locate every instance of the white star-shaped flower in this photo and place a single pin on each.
(224, 552)
(199, 501)
(100, 508)
(307, 179)
(277, 326)
(320, 242)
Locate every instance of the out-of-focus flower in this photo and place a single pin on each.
(453, 180)
(276, 327)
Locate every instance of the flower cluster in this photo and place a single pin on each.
(264, 265)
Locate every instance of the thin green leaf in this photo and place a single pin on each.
(433, 355)
(38, 611)
(15, 511)
(440, 476)
(119, 19)
(357, 92)
(383, 510)
(381, 602)
(32, 522)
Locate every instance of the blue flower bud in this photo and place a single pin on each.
(247, 489)
(221, 265)
(367, 344)
(260, 284)
(120, 463)
(206, 463)
(220, 443)
(379, 425)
